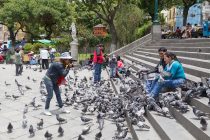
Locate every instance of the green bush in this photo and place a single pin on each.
(143, 30)
(36, 47)
(28, 47)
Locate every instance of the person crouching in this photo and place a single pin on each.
(54, 77)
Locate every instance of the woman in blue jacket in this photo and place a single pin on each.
(171, 77)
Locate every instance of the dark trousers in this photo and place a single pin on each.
(50, 86)
(19, 69)
(45, 64)
(97, 72)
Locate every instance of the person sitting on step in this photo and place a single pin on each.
(172, 76)
(161, 65)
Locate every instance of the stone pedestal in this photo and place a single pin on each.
(156, 32)
(74, 50)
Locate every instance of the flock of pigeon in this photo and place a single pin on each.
(102, 101)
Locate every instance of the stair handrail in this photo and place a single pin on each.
(132, 45)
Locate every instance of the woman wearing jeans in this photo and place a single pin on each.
(171, 77)
(54, 77)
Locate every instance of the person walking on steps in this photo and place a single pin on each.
(54, 77)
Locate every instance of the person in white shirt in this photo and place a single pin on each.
(44, 56)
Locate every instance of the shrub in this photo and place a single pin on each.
(36, 47)
(143, 30)
(28, 47)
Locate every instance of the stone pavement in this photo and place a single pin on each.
(12, 110)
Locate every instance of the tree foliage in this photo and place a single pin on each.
(128, 18)
(106, 11)
(35, 17)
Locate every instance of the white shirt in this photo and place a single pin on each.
(44, 54)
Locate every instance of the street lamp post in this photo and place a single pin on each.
(156, 12)
(156, 27)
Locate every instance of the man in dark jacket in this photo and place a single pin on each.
(54, 77)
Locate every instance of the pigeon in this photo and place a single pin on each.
(100, 121)
(86, 129)
(142, 125)
(27, 87)
(9, 128)
(6, 95)
(199, 113)
(33, 102)
(60, 120)
(81, 138)
(34, 80)
(60, 131)
(48, 135)
(15, 97)
(31, 131)
(98, 136)
(122, 134)
(18, 84)
(3, 67)
(84, 110)
(208, 95)
(24, 122)
(25, 110)
(85, 119)
(7, 84)
(40, 124)
(203, 123)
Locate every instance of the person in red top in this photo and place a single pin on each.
(1, 59)
(98, 60)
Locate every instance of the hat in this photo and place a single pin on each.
(65, 55)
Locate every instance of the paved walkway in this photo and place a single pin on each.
(12, 110)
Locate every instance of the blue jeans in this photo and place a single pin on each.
(50, 87)
(165, 84)
(112, 72)
(97, 72)
(150, 84)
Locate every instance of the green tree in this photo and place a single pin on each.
(106, 11)
(128, 18)
(35, 17)
(149, 5)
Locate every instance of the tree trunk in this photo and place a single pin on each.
(114, 37)
(12, 37)
(185, 14)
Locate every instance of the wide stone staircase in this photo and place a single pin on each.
(194, 55)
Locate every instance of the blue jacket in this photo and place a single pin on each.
(176, 70)
(55, 71)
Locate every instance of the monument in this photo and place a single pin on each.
(74, 43)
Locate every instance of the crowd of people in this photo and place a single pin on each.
(188, 31)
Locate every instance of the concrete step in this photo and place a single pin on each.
(194, 40)
(186, 44)
(151, 65)
(185, 60)
(198, 55)
(190, 69)
(189, 121)
(201, 103)
(171, 127)
(150, 134)
(185, 48)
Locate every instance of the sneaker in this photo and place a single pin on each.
(47, 112)
(63, 110)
